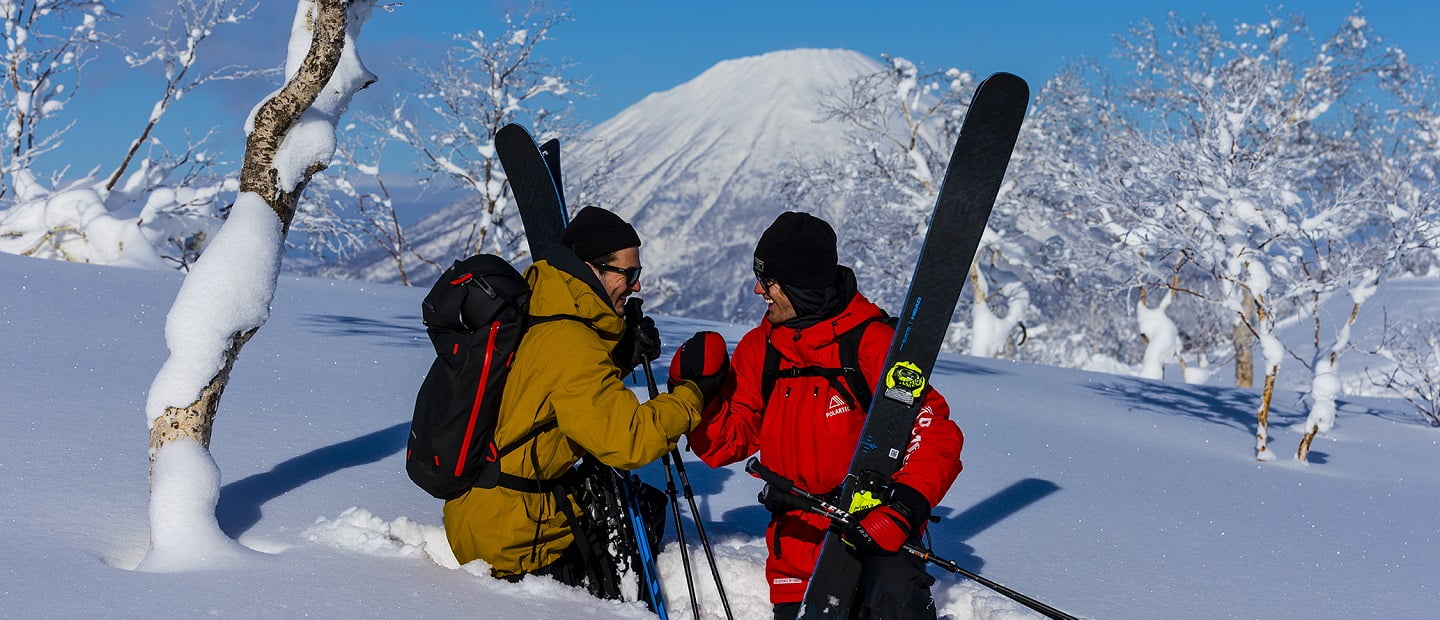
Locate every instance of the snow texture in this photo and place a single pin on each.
(1105, 496)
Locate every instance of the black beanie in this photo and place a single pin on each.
(797, 249)
(596, 232)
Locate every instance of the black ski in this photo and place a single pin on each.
(536, 191)
(967, 193)
(534, 174)
(551, 151)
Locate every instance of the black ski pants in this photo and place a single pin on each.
(891, 587)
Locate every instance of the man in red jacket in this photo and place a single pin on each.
(807, 426)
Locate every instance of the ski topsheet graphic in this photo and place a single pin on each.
(962, 208)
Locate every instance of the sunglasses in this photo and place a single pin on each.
(764, 281)
(632, 274)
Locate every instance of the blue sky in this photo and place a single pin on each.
(630, 48)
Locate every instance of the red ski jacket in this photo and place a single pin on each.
(807, 431)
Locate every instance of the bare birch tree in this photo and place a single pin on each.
(226, 297)
(47, 44)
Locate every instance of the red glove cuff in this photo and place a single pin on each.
(886, 527)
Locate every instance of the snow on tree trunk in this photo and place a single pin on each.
(226, 297)
(989, 331)
(1273, 351)
(1162, 337)
(1325, 385)
(1250, 283)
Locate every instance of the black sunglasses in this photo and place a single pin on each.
(632, 274)
(764, 281)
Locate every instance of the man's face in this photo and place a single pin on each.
(778, 308)
(616, 285)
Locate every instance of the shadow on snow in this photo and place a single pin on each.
(405, 330)
(950, 535)
(239, 506)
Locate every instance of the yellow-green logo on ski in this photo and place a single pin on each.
(904, 382)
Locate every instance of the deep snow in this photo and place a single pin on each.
(1105, 496)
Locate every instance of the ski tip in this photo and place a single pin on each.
(1004, 76)
(1007, 81)
(513, 128)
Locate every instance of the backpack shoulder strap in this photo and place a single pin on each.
(855, 389)
(517, 483)
(524, 439)
(850, 358)
(768, 371)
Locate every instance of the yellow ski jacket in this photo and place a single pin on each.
(562, 371)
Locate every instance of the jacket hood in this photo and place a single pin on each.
(558, 292)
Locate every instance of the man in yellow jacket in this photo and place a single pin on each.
(566, 374)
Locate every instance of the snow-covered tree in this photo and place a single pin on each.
(1385, 227)
(1245, 126)
(47, 44)
(904, 124)
(175, 48)
(160, 203)
(1075, 268)
(226, 296)
(485, 81)
(1413, 350)
(357, 185)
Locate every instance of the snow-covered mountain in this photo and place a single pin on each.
(696, 169)
(701, 165)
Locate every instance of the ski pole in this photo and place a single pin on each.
(680, 534)
(649, 572)
(800, 499)
(700, 527)
(670, 486)
(633, 313)
(694, 510)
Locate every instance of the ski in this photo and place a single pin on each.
(534, 174)
(962, 208)
(536, 190)
(551, 151)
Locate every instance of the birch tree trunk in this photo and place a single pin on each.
(226, 296)
(1244, 344)
(258, 175)
(1325, 385)
(1271, 345)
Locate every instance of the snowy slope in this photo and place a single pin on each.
(1109, 497)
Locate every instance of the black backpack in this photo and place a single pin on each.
(475, 315)
(848, 380)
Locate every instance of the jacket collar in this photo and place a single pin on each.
(557, 291)
(801, 343)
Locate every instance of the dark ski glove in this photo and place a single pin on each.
(703, 359)
(883, 530)
(641, 342)
(647, 341)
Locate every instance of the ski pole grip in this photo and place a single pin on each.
(771, 478)
(632, 308)
(770, 496)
